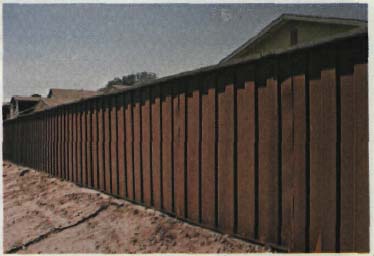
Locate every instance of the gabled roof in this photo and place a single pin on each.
(281, 20)
(25, 98)
(51, 102)
(70, 93)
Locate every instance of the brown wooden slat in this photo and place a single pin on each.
(78, 144)
(83, 144)
(156, 145)
(57, 141)
(167, 175)
(362, 213)
(121, 146)
(146, 147)
(65, 145)
(70, 150)
(129, 147)
(226, 127)
(300, 145)
(347, 154)
(192, 100)
(268, 152)
(179, 112)
(74, 144)
(95, 144)
(107, 149)
(287, 148)
(246, 152)
(137, 147)
(113, 146)
(101, 141)
(89, 163)
(322, 151)
(208, 95)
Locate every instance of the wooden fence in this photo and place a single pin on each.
(272, 150)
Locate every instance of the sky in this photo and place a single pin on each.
(83, 46)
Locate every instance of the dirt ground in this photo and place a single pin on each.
(47, 215)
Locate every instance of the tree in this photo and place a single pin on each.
(115, 81)
(128, 80)
(138, 77)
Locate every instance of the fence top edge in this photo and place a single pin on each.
(352, 34)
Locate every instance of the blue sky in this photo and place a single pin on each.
(85, 45)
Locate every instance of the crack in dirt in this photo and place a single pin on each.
(60, 229)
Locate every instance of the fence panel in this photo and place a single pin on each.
(273, 150)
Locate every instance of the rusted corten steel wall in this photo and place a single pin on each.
(272, 150)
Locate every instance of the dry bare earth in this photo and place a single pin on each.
(46, 215)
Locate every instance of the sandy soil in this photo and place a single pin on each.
(46, 215)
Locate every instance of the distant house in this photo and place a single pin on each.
(6, 110)
(23, 104)
(61, 96)
(290, 30)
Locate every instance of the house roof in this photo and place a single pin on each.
(281, 20)
(70, 93)
(51, 102)
(25, 98)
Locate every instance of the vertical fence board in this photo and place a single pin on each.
(156, 146)
(300, 146)
(179, 145)
(74, 144)
(323, 151)
(166, 137)
(268, 153)
(83, 144)
(129, 147)
(79, 144)
(121, 146)
(208, 95)
(347, 168)
(246, 152)
(193, 118)
(107, 141)
(146, 147)
(137, 146)
(95, 144)
(70, 150)
(89, 163)
(362, 213)
(113, 146)
(65, 141)
(101, 144)
(226, 216)
(287, 148)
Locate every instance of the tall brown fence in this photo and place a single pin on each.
(272, 150)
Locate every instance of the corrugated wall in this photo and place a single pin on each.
(274, 150)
